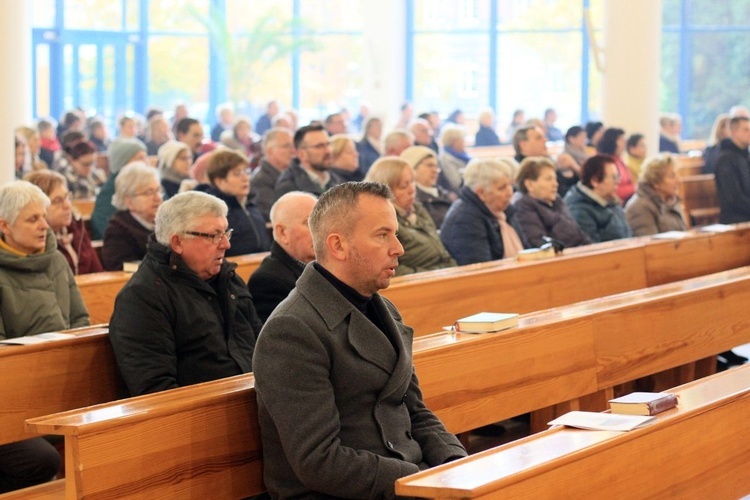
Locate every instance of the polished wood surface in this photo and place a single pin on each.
(697, 450)
(53, 490)
(688, 165)
(699, 199)
(84, 207)
(54, 376)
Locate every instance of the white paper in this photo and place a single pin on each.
(716, 228)
(38, 339)
(601, 421)
(671, 235)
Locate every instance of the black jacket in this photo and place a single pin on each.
(733, 183)
(273, 280)
(124, 241)
(170, 328)
(250, 234)
(296, 179)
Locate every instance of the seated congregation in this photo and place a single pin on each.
(310, 319)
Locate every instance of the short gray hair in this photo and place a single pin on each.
(176, 215)
(271, 134)
(334, 210)
(482, 173)
(451, 134)
(16, 195)
(396, 135)
(129, 181)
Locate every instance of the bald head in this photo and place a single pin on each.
(289, 221)
(422, 132)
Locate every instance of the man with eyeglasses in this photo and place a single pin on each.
(310, 172)
(185, 316)
(278, 152)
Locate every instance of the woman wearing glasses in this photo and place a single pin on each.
(84, 179)
(594, 204)
(73, 240)
(138, 194)
(230, 182)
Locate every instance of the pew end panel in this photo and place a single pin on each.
(688, 452)
(197, 441)
(99, 291)
(504, 374)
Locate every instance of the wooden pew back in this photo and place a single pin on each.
(697, 450)
(699, 199)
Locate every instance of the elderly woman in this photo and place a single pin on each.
(38, 294)
(454, 158)
(655, 208)
(486, 135)
(370, 148)
(73, 240)
(435, 199)
(477, 226)
(345, 158)
(423, 250)
(30, 137)
(539, 210)
(594, 204)
(137, 197)
(83, 178)
(230, 182)
(174, 161)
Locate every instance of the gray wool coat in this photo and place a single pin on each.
(341, 413)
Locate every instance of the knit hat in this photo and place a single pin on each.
(414, 155)
(169, 151)
(121, 151)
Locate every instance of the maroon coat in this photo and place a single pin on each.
(88, 260)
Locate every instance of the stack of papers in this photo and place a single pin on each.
(601, 421)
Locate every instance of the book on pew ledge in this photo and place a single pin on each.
(716, 228)
(643, 403)
(593, 421)
(671, 235)
(531, 254)
(131, 267)
(486, 322)
(38, 339)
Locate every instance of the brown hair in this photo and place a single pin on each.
(222, 162)
(531, 167)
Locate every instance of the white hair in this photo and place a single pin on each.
(177, 214)
(451, 135)
(130, 180)
(482, 173)
(16, 195)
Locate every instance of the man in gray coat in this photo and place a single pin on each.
(339, 404)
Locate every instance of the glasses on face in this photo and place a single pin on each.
(215, 238)
(60, 200)
(239, 172)
(151, 193)
(320, 146)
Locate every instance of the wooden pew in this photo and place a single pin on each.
(689, 165)
(697, 450)
(699, 199)
(99, 290)
(84, 207)
(209, 431)
(55, 376)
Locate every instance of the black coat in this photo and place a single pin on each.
(250, 234)
(436, 206)
(535, 219)
(733, 183)
(125, 240)
(296, 179)
(273, 280)
(171, 329)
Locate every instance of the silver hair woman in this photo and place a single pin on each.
(138, 195)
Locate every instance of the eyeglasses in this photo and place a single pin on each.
(215, 238)
(61, 200)
(239, 172)
(321, 146)
(151, 193)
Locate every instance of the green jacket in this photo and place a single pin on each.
(423, 250)
(38, 293)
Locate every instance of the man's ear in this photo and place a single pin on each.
(279, 233)
(337, 246)
(176, 243)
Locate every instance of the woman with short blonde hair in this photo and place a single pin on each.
(656, 207)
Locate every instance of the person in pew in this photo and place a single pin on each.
(539, 211)
(38, 294)
(530, 140)
(424, 135)
(230, 182)
(575, 144)
(594, 204)
(423, 250)
(84, 179)
(185, 316)
(655, 207)
(73, 239)
(121, 152)
(486, 135)
(340, 409)
(137, 197)
(612, 143)
(719, 132)
(453, 159)
(478, 226)
(636, 149)
(278, 152)
(291, 249)
(174, 161)
(370, 147)
(733, 173)
(433, 197)
(345, 158)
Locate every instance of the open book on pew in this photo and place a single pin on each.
(38, 339)
(593, 421)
